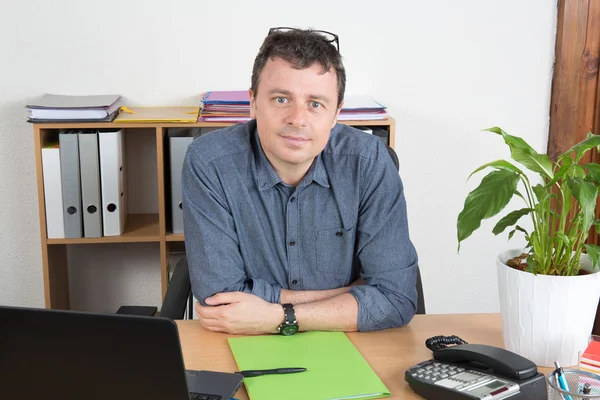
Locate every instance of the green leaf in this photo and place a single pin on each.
(564, 169)
(593, 251)
(567, 243)
(498, 164)
(582, 147)
(541, 193)
(522, 230)
(593, 172)
(532, 265)
(520, 195)
(510, 219)
(586, 194)
(539, 163)
(517, 228)
(488, 199)
(525, 154)
(511, 233)
(511, 141)
(577, 171)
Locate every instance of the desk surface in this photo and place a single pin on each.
(390, 353)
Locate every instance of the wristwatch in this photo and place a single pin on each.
(289, 325)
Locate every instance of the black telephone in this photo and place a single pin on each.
(476, 371)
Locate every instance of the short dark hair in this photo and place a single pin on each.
(301, 48)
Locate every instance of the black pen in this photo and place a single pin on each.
(258, 372)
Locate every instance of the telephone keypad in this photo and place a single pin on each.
(450, 376)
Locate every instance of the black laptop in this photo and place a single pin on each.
(51, 354)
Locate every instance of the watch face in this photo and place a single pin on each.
(288, 330)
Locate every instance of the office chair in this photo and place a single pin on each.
(420, 296)
(179, 293)
(177, 298)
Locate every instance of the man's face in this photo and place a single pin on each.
(295, 111)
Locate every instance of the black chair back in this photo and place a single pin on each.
(179, 292)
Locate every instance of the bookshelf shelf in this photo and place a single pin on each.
(140, 228)
(175, 237)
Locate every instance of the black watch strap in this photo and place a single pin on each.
(290, 315)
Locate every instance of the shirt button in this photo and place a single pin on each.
(293, 199)
(338, 234)
(294, 282)
(292, 243)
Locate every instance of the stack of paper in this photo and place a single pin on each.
(334, 367)
(590, 359)
(361, 108)
(225, 106)
(64, 108)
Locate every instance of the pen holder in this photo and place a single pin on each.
(579, 383)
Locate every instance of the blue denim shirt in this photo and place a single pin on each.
(246, 230)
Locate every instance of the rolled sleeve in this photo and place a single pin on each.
(387, 257)
(211, 241)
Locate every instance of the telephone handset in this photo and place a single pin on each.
(476, 371)
(502, 361)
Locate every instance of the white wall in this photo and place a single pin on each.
(446, 70)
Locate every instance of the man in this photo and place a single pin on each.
(293, 209)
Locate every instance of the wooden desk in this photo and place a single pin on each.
(390, 353)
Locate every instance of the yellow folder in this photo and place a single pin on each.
(158, 114)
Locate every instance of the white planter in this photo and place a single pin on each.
(547, 318)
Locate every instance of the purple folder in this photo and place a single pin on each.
(227, 97)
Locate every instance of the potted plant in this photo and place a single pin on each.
(549, 290)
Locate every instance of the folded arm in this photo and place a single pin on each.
(211, 242)
(308, 296)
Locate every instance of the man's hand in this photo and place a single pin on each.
(240, 313)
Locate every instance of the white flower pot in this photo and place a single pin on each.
(547, 318)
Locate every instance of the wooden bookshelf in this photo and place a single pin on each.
(139, 228)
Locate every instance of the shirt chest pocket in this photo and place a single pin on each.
(335, 249)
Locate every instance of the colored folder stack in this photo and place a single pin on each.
(225, 106)
(234, 106)
(362, 108)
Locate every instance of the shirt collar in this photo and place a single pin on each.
(267, 177)
(316, 173)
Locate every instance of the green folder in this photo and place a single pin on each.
(335, 368)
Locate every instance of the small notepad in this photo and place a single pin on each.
(335, 368)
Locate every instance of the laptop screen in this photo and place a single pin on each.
(71, 355)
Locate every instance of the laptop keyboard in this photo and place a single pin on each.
(203, 396)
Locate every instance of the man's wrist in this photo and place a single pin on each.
(278, 316)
